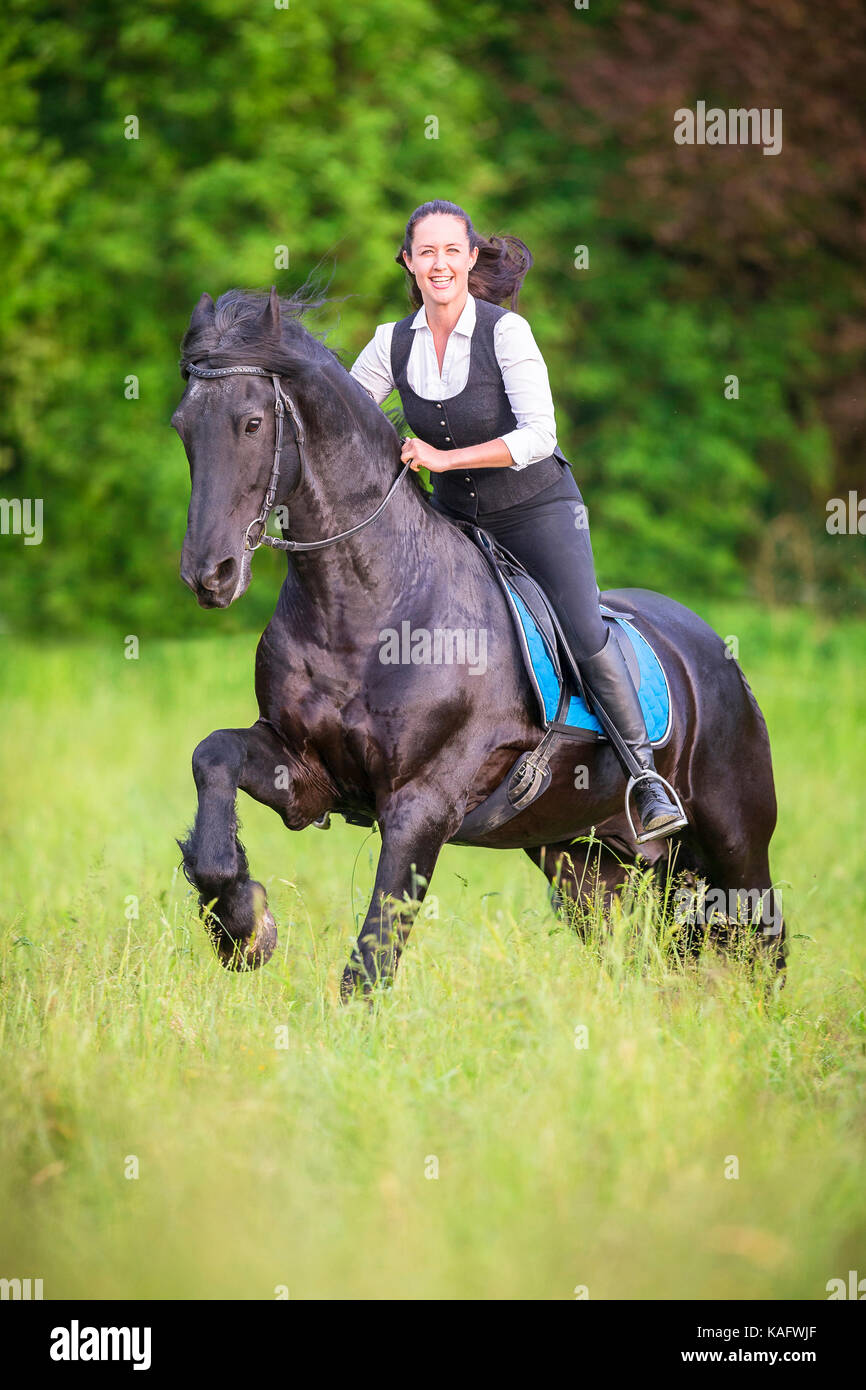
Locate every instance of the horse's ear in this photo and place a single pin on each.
(270, 318)
(203, 314)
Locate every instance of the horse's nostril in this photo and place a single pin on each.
(220, 576)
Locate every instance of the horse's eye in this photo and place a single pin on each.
(252, 426)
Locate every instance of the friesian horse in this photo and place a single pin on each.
(270, 418)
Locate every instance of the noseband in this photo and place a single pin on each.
(283, 403)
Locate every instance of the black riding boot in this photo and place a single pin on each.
(609, 680)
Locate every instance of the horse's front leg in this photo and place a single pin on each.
(413, 832)
(238, 919)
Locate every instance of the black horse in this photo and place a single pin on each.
(270, 418)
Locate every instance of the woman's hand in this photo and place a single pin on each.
(425, 456)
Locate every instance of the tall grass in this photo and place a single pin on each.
(586, 1104)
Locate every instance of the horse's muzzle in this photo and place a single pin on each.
(216, 586)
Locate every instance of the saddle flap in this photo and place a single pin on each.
(517, 583)
(552, 668)
(539, 610)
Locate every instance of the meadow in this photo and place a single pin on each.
(172, 1131)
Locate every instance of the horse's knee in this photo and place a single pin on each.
(218, 760)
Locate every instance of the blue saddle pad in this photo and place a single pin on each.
(652, 685)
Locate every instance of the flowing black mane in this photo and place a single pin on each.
(229, 334)
(232, 337)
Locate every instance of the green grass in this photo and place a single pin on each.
(304, 1165)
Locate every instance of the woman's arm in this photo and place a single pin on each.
(372, 367)
(495, 454)
(524, 375)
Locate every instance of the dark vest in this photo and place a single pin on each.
(479, 413)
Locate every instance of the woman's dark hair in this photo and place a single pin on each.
(499, 270)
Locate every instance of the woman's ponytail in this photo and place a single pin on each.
(499, 271)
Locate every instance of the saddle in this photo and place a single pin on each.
(564, 708)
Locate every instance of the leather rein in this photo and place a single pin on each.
(283, 405)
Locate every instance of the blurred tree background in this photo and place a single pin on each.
(309, 127)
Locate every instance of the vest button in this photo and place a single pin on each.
(447, 439)
(468, 477)
(442, 422)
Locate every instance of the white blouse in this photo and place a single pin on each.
(524, 375)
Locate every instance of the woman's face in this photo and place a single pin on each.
(441, 258)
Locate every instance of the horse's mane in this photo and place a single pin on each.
(232, 337)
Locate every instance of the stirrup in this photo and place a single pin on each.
(649, 775)
(529, 780)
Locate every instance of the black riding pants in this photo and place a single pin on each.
(549, 535)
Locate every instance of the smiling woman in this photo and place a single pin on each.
(474, 389)
(496, 267)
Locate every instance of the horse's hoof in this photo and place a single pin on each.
(259, 951)
(243, 931)
(352, 985)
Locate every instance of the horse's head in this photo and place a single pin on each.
(228, 425)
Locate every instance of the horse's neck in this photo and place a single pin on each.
(382, 562)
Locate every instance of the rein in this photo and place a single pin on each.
(283, 404)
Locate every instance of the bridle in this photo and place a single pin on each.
(284, 404)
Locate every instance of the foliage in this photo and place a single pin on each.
(307, 127)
